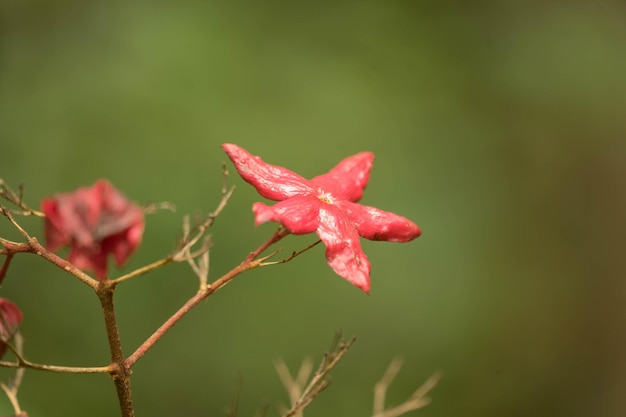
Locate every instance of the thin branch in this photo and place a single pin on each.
(13, 247)
(202, 228)
(143, 270)
(14, 385)
(12, 396)
(200, 263)
(200, 267)
(19, 349)
(183, 253)
(36, 248)
(293, 255)
(8, 215)
(11, 389)
(294, 387)
(17, 199)
(427, 386)
(233, 409)
(380, 389)
(305, 372)
(23, 363)
(226, 193)
(320, 380)
(278, 235)
(10, 249)
(5, 266)
(154, 207)
(331, 358)
(416, 401)
(248, 263)
(58, 369)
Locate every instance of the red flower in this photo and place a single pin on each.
(10, 319)
(326, 205)
(95, 221)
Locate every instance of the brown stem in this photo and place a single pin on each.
(5, 266)
(13, 247)
(143, 270)
(16, 198)
(249, 262)
(56, 368)
(17, 350)
(120, 372)
(36, 248)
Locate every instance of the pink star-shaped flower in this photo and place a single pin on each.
(94, 221)
(326, 205)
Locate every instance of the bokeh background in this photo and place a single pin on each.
(498, 127)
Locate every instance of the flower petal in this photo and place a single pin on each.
(123, 244)
(376, 224)
(10, 319)
(299, 215)
(72, 217)
(95, 221)
(117, 213)
(91, 259)
(56, 236)
(347, 180)
(343, 249)
(271, 181)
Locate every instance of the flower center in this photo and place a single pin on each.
(325, 197)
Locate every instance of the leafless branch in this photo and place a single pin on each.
(290, 257)
(32, 245)
(185, 251)
(16, 198)
(416, 401)
(250, 262)
(22, 363)
(154, 207)
(300, 395)
(13, 386)
(233, 409)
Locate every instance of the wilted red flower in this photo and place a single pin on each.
(10, 319)
(326, 205)
(94, 221)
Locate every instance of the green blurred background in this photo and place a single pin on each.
(498, 127)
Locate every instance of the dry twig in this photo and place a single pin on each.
(417, 400)
(233, 409)
(290, 257)
(191, 236)
(16, 198)
(13, 386)
(299, 394)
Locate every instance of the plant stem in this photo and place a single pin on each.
(35, 247)
(143, 270)
(249, 262)
(120, 372)
(23, 363)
